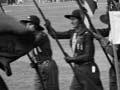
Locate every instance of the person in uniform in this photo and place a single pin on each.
(87, 76)
(42, 55)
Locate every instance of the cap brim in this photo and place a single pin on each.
(25, 21)
(69, 16)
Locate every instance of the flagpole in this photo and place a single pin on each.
(37, 71)
(115, 58)
(116, 67)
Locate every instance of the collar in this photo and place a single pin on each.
(80, 29)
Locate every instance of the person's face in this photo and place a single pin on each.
(75, 22)
(30, 26)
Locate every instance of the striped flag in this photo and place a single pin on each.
(89, 5)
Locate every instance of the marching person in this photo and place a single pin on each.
(81, 42)
(42, 55)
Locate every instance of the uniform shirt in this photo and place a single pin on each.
(83, 46)
(43, 50)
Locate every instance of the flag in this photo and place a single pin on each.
(89, 5)
(8, 23)
(114, 35)
(15, 41)
(12, 47)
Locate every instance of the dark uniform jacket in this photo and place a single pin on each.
(44, 48)
(84, 47)
(46, 65)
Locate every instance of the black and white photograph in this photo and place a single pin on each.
(59, 45)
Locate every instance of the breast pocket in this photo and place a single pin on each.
(80, 43)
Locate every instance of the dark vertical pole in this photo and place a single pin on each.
(37, 71)
(116, 67)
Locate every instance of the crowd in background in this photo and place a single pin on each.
(54, 0)
(12, 2)
(17, 2)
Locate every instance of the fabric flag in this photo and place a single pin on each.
(15, 41)
(8, 23)
(114, 35)
(90, 6)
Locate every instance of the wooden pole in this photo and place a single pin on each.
(37, 71)
(117, 70)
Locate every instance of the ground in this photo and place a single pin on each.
(23, 74)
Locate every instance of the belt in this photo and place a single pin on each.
(86, 62)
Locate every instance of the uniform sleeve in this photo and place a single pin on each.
(88, 53)
(64, 35)
(59, 35)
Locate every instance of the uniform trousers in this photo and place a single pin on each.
(88, 76)
(49, 72)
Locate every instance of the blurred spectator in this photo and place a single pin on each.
(20, 1)
(42, 1)
(11, 2)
